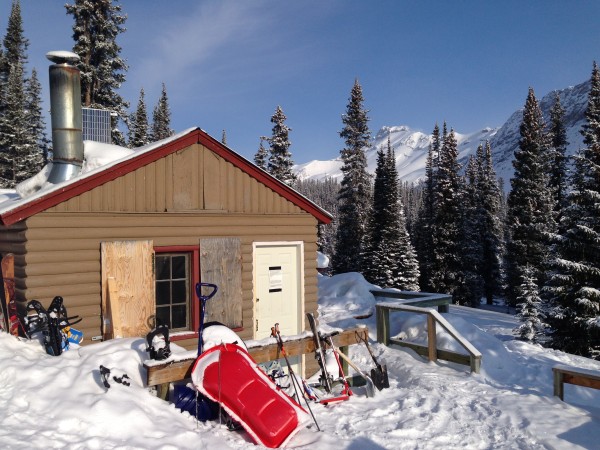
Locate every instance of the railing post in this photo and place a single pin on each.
(431, 338)
(383, 324)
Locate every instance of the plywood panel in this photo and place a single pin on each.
(131, 264)
(220, 264)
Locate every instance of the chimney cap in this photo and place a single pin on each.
(62, 57)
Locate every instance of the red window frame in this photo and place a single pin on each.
(194, 251)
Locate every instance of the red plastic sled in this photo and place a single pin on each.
(228, 375)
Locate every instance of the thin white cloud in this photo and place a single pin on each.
(189, 44)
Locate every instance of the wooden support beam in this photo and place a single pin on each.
(180, 370)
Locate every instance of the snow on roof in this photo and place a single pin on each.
(97, 157)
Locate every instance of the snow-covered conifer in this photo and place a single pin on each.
(529, 309)
(261, 157)
(138, 130)
(355, 192)
(161, 118)
(574, 282)
(280, 161)
(446, 273)
(97, 25)
(530, 202)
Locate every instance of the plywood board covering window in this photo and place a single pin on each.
(221, 264)
(131, 302)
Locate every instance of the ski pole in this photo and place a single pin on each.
(277, 335)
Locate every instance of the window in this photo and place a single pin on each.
(174, 290)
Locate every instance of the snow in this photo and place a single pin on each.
(57, 402)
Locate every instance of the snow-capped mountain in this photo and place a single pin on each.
(411, 146)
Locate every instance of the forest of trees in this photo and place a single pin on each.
(455, 232)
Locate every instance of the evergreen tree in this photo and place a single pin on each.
(446, 273)
(39, 146)
(161, 118)
(530, 202)
(470, 291)
(138, 131)
(15, 42)
(280, 159)
(426, 221)
(529, 306)
(355, 191)
(574, 285)
(558, 146)
(95, 31)
(224, 138)
(492, 232)
(261, 157)
(389, 258)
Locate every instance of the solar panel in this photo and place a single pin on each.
(96, 125)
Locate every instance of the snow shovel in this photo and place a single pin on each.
(186, 398)
(379, 374)
(370, 385)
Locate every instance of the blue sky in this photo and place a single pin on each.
(228, 64)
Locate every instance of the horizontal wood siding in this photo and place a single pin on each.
(63, 252)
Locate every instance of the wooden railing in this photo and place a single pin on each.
(159, 372)
(423, 299)
(472, 358)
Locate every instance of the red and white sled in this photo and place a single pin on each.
(227, 374)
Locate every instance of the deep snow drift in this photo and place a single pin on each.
(58, 402)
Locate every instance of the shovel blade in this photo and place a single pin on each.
(380, 377)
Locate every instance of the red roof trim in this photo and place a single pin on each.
(197, 136)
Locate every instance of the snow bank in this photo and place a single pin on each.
(57, 402)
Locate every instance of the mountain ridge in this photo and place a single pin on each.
(411, 146)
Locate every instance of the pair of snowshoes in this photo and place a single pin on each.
(53, 326)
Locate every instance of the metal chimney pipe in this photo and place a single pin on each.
(66, 116)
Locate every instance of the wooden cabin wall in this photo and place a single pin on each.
(63, 253)
(177, 200)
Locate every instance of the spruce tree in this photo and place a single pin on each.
(280, 159)
(470, 291)
(389, 258)
(355, 190)
(97, 25)
(426, 219)
(37, 157)
(138, 131)
(492, 232)
(530, 202)
(446, 273)
(15, 42)
(261, 157)
(574, 284)
(224, 138)
(161, 118)
(558, 160)
(532, 327)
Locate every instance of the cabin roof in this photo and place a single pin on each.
(16, 208)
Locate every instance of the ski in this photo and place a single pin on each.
(325, 379)
(9, 304)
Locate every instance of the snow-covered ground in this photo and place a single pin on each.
(60, 402)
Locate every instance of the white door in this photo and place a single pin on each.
(278, 296)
